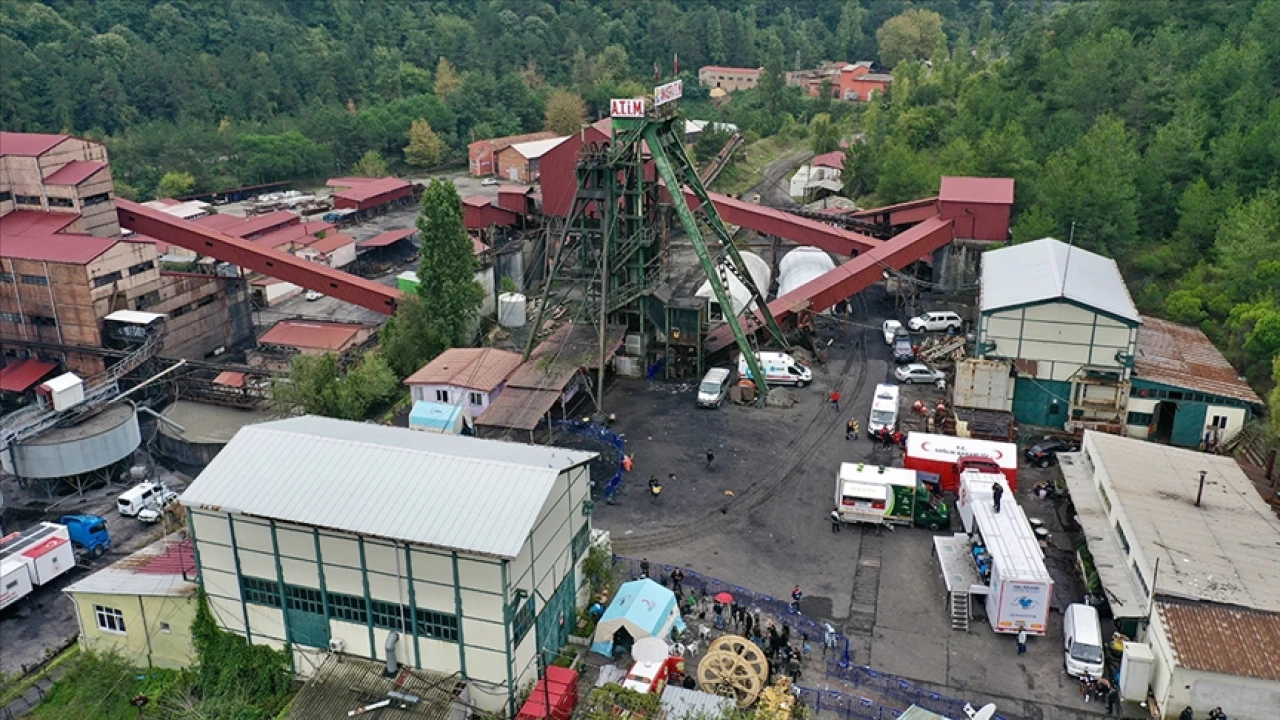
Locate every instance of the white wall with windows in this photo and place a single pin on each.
(478, 401)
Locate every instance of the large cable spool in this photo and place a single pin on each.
(734, 667)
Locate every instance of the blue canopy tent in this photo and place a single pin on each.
(644, 608)
(440, 418)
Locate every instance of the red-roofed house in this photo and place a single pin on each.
(372, 196)
(303, 337)
(334, 250)
(520, 161)
(482, 154)
(464, 376)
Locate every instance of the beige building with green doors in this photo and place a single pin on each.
(1064, 318)
(453, 554)
(141, 606)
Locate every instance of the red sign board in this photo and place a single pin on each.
(626, 107)
(664, 94)
(36, 551)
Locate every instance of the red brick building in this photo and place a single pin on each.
(482, 154)
(854, 82)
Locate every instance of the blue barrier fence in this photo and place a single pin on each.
(886, 687)
(604, 435)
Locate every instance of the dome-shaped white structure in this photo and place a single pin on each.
(739, 296)
(801, 266)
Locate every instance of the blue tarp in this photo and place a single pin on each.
(644, 608)
(435, 417)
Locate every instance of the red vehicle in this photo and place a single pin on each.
(652, 677)
(947, 456)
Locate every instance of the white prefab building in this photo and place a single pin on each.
(1208, 557)
(1064, 317)
(456, 554)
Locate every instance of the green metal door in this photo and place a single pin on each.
(557, 618)
(1188, 424)
(304, 617)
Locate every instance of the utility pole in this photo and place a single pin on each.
(604, 309)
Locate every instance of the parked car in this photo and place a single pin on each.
(489, 182)
(152, 512)
(941, 321)
(312, 295)
(918, 373)
(1044, 453)
(903, 350)
(890, 328)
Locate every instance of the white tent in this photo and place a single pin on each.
(800, 266)
(739, 296)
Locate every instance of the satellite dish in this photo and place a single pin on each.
(986, 712)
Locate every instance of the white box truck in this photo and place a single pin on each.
(779, 369)
(32, 558)
(885, 496)
(1009, 559)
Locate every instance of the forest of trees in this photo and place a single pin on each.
(1153, 127)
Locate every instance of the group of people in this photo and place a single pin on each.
(1102, 689)
(1214, 714)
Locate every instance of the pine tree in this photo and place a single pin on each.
(566, 112)
(447, 80)
(425, 148)
(370, 165)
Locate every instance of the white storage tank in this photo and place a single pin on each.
(739, 296)
(511, 310)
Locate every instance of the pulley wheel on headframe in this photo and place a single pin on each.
(750, 653)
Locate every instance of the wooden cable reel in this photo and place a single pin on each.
(734, 667)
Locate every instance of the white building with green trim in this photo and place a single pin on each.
(1064, 318)
(324, 535)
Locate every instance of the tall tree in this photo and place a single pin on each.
(566, 112)
(849, 38)
(371, 165)
(425, 148)
(1093, 185)
(912, 35)
(447, 80)
(176, 184)
(772, 81)
(824, 135)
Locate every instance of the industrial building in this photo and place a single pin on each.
(451, 554)
(519, 162)
(729, 79)
(141, 606)
(287, 338)
(482, 154)
(853, 82)
(1185, 552)
(369, 197)
(471, 377)
(65, 265)
(1064, 317)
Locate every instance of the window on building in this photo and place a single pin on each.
(96, 199)
(581, 540)
(522, 621)
(6, 277)
(5, 196)
(1140, 418)
(1055, 408)
(41, 321)
(107, 279)
(442, 396)
(11, 317)
(146, 300)
(1141, 580)
(61, 202)
(141, 267)
(1124, 540)
(392, 616)
(259, 591)
(207, 300)
(437, 625)
(34, 280)
(304, 599)
(349, 608)
(477, 398)
(1106, 499)
(164, 627)
(109, 619)
(26, 199)
(1175, 394)
(1220, 421)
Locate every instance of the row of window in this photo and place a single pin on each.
(36, 320)
(1141, 418)
(55, 201)
(522, 621)
(1152, 394)
(442, 396)
(27, 279)
(352, 608)
(112, 620)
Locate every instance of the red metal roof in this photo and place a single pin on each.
(176, 559)
(219, 222)
(1182, 356)
(28, 144)
(482, 369)
(1223, 639)
(20, 375)
(476, 200)
(35, 235)
(244, 227)
(369, 188)
(74, 172)
(230, 379)
(313, 335)
(515, 189)
(331, 242)
(729, 70)
(387, 238)
(501, 143)
(833, 159)
(996, 191)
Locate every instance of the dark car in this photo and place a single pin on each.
(1045, 452)
(903, 352)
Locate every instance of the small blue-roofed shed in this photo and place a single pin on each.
(440, 418)
(644, 608)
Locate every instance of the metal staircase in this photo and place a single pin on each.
(960, 611)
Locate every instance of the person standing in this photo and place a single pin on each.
(1113, 700)
(677, 582)
(644, 567)
(1022, 640)
(718, 609)
(997, 492)
(1187, 714)
(834, 399)
(748, 624)
(835, 521)
(795, 598)
(851, 430)
(711, 457)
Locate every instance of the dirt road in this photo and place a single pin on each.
(772, 187)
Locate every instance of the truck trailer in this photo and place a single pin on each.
(942, 454)
(1007, 554)
(889, 496)
(32, 558)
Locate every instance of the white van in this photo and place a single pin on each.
(714, 387)
(138, 497)
(1082, 641)
(884, 408)
(779, 369)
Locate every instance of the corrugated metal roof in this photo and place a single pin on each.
(998, 191)
(316, 335)
(28, 144)
(1224, 640)
(156, 570)
(537, 148)
(20, 375)
(346, 682)
(330, 242)
(363, 189)
(1223, 551)
(473, 368)
(388, 237)
(1182, 356)
(833, 159)
(74, 172)
(1048, 269)
(447, 491)
(36, 235)
(681, 703)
